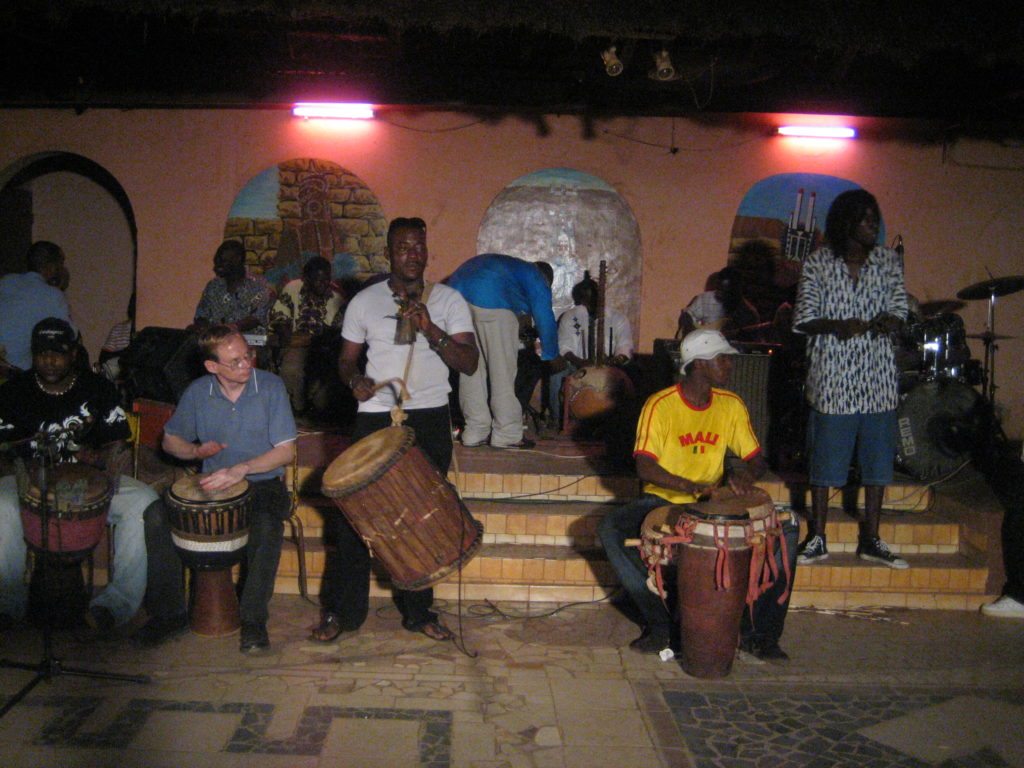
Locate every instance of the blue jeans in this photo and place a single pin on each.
(617, 526)
(123, 595)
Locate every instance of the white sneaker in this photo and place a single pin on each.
(1004, 608)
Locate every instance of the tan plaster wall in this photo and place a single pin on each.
(959, 212)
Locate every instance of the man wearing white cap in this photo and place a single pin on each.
(681, 442)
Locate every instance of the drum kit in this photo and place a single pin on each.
(941, 416)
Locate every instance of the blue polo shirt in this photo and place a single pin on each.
(497, 281)
(259, 420)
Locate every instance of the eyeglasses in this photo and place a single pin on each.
(240, 363)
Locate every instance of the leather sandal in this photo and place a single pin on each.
(435, 630)
(328, 630)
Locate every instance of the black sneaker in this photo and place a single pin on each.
(160, 629)
(651, 641)
(254, 638)
(813, 550)
(877, 551)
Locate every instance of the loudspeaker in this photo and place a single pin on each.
(160, 363)
(749, 380)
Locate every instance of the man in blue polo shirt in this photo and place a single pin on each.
(239, 423)
(499, 289)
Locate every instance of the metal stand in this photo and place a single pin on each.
(49, 666)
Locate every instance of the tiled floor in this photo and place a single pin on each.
(536, 689)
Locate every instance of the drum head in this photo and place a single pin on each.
(939, 424)
(187, 489)
(366, 461)
(726, 505)
(91, 484)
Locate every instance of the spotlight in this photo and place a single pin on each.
(663, 69)
(612, 63)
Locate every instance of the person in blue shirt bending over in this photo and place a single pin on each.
(499, 289)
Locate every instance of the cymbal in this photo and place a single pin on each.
(941, 307)
(997, 286)
(987, 336)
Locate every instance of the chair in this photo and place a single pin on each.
(147, 426)
(297, 537)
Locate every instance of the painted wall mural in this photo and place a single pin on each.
(309, 207)
(780, 221)
(572, 220)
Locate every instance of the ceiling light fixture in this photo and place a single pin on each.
(336, 110)
(612, 62)
(818, 131)
(663, 69)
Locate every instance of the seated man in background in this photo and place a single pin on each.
(723, 308)
(675, 422)
(234, 297)
(25, 299)
(75, 416)
(237, 421)
(307, 311)
(576, 337)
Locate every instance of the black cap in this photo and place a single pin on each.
(53, 335)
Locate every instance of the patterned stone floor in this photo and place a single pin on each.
(536, 690)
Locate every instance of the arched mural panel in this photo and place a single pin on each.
(573, 221)
(308, 207)
(780, 220)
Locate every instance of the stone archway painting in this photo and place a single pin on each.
(573, 221)
(309, 207)
(779, 222)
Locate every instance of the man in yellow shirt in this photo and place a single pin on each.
(681, 442)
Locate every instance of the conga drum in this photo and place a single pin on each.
(77, 503)
(77, 499)
(403, 508)
(713, 546)
(210, 530)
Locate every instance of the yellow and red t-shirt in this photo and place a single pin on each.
(691, 442)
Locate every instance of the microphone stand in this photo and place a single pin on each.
(50, 666)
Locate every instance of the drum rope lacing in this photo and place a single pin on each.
(764, 571)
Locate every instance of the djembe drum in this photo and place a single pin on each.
(77, 503)
(403, 508)
(712, 544)
(210, 530)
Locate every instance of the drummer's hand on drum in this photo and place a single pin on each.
(223, 478)
(741, 482)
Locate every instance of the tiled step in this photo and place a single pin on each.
(558, 573)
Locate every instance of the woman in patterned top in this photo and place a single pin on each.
(850, 299)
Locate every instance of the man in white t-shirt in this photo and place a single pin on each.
(391, 320)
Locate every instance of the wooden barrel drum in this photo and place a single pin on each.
(403, 508)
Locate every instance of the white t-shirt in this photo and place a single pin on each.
(371, 319)
(572, 332)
